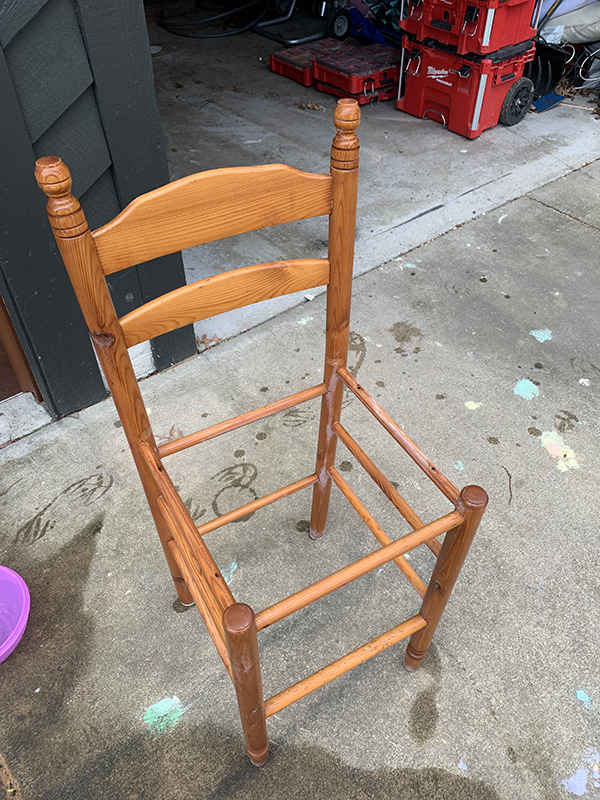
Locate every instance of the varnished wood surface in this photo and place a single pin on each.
(343, 664)
(347, 574)
(220, 293)
(208, 206)
(216, 633)
(242, 646)
(260, 502)
(384, 484)
(342, 224)
(238, 422)
(376, 530)
(417, 455)
(471, 504)
(185, 533)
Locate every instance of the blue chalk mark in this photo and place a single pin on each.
(542, 336)
(164, 715)
(577, 783)
(229, 572)
(526, 389)
(462, 765)
(459, 466)
(581, 695)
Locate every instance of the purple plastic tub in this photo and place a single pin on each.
(14, 610)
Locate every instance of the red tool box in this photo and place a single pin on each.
(471, 26)
(368, 96)
(359, 71)
(468, 94)
(297, 62)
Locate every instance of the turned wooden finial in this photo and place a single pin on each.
(344, 150)
(65, 214)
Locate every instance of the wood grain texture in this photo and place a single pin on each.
(377, 530)
(199, 596)
(81, 260)
(384, 484)
(342, 225)
(206, 572)
(238, 422)
(220, 293)
(343, 664)
(208, 206)
(407, 444)
(242, 646)
(347, 574)
(116, 40)
(471, 505)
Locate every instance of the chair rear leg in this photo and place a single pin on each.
(242, 646)
(472, 503)
(331, 406)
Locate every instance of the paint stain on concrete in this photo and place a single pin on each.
(584, 698)
(493, 440)
(462, 765)
(564, 455)
(472, 406)
(459, 466)
(587, 775)
(542, 335)
(526, 389)
(163, 716)
(536, 432)
(565, 421)
(403, 333)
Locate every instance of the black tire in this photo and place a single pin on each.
(337, 24)
(517, 102)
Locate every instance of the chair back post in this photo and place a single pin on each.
(81, 259)
(342, 223)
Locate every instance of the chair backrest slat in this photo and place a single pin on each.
(208, 206)
(220, 293)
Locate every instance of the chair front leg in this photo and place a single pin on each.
(472, 503)
(242, 646)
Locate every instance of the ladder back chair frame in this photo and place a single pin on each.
(205, 207)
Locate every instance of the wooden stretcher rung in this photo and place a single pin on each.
(392, 494)
(396, 432)
(216, 632)
(343, 664)
(243, 419)
(355, 570)
(376, 530)
(260, 502)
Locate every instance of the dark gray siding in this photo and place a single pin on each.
(76, 81)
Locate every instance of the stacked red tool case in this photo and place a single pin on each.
(366, 74)
(462, 61)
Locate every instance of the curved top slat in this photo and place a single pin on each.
(208, 206)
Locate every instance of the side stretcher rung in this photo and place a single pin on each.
(396, 432)
(355, 570)
(243, 419)
(392, 494)
(216, 633)
(343, 664)
(376, 530)
(260, 502)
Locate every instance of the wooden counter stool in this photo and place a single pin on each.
(202, 208)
